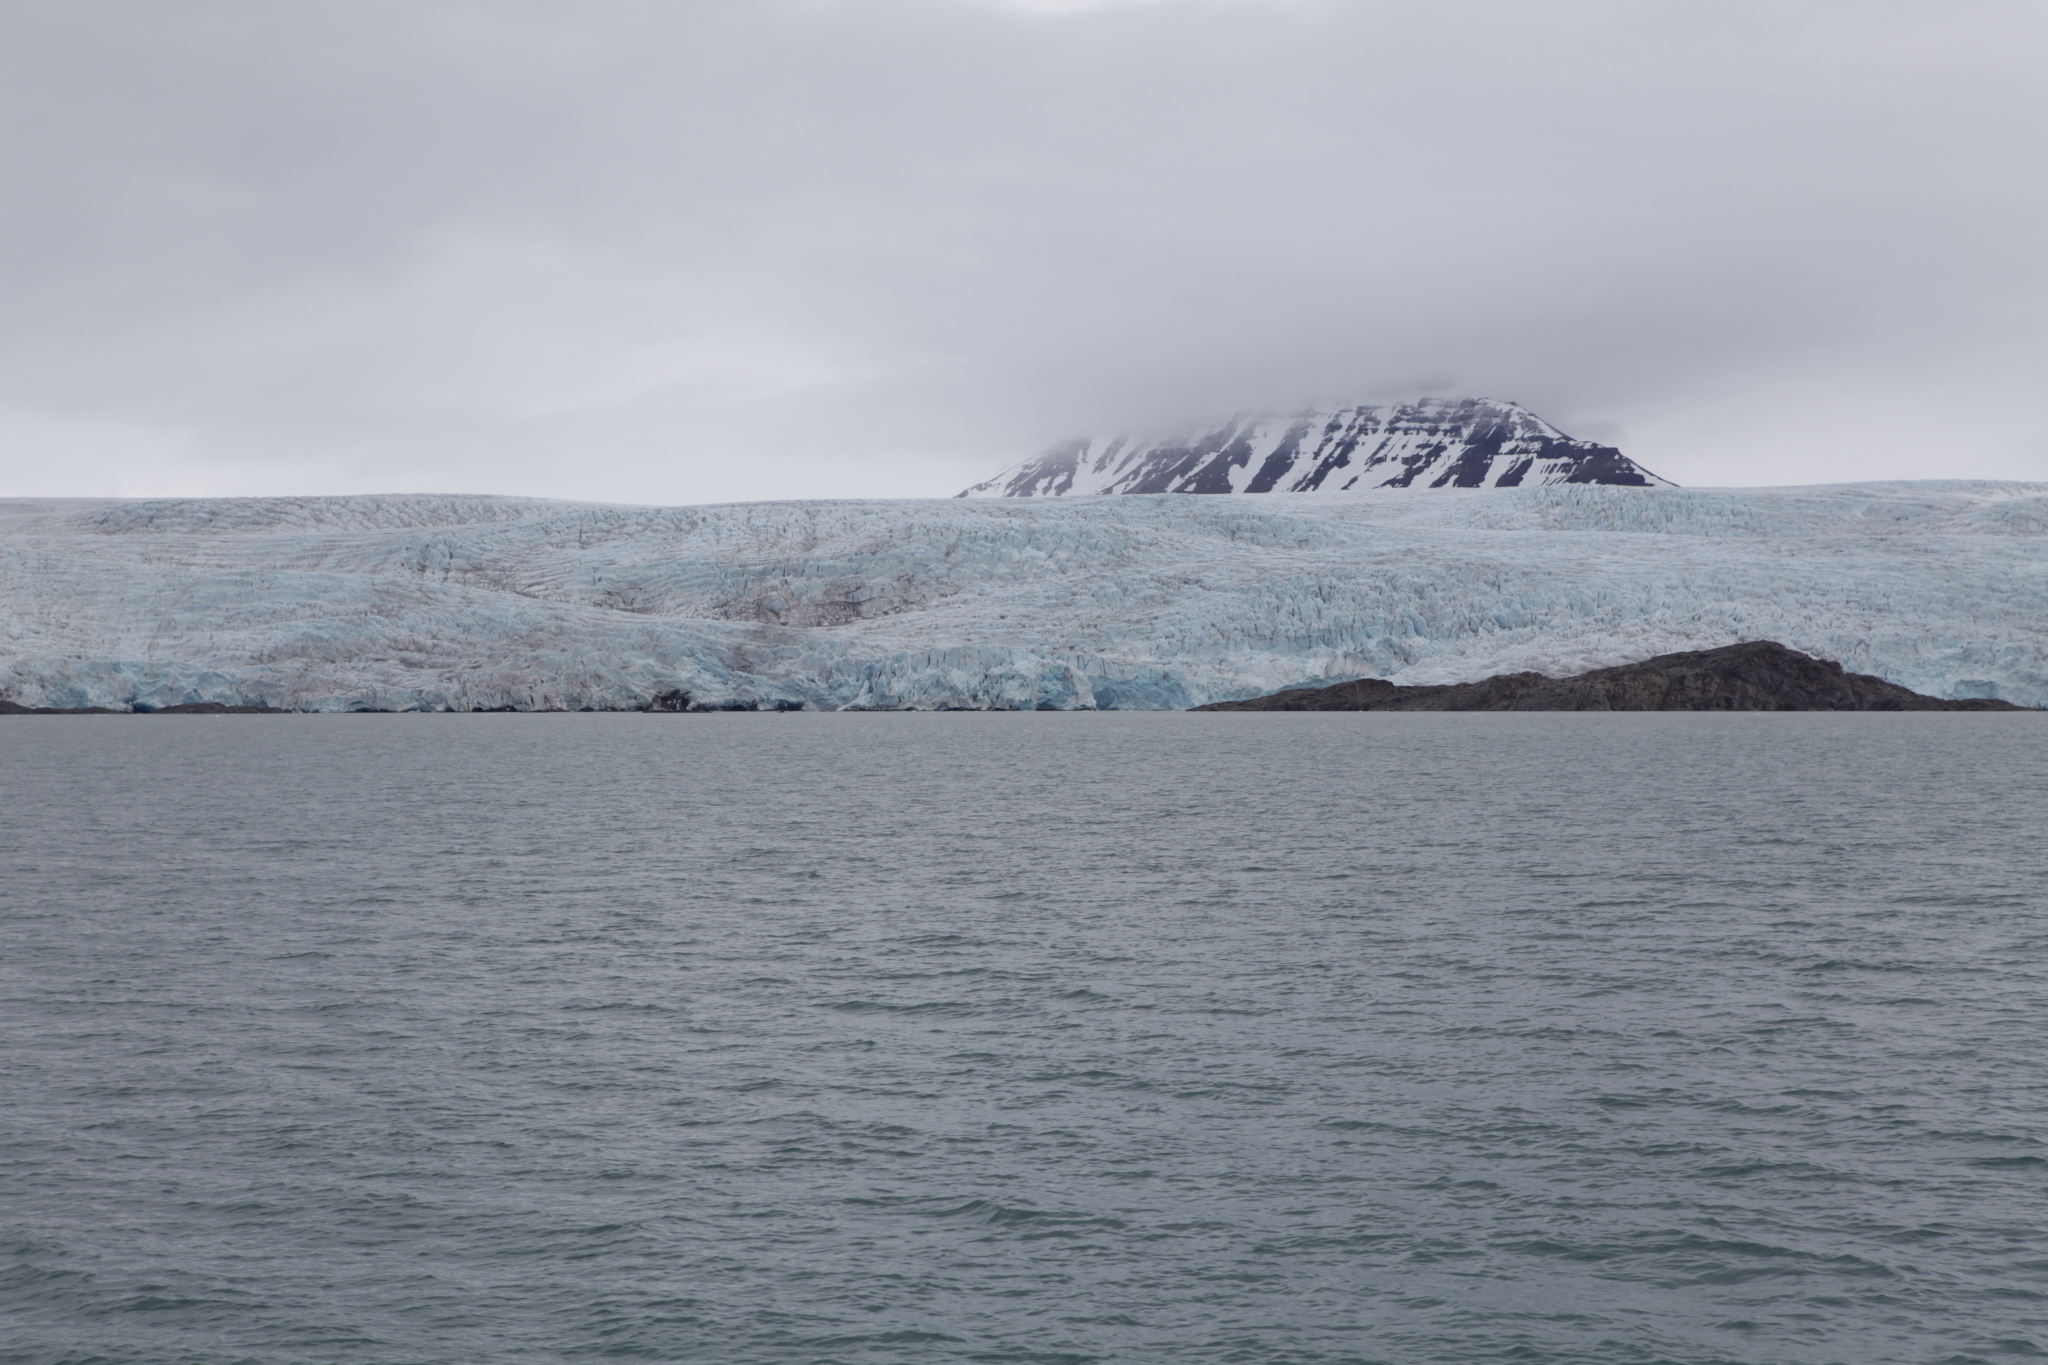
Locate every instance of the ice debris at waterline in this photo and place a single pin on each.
(1760, 675)
(1432, 443)
(1153, 602)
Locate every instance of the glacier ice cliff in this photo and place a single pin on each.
(429, 603)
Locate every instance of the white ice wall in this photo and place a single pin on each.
(1167, 601)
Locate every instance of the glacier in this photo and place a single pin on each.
(414, 602)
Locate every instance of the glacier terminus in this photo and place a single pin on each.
(1131, 601)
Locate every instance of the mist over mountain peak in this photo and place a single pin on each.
(1426, 443)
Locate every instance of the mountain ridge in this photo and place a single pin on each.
(1428, 443)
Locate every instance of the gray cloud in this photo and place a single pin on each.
(762, 248)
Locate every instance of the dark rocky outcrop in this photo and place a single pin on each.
(1760, 675)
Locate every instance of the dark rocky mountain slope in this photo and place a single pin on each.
(1430, 443)
(1760, 675)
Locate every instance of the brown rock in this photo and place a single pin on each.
(1760, 675)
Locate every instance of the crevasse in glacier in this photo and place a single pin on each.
(416, 602)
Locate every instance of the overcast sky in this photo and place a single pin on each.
(705, 250)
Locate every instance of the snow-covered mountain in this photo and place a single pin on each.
(1433, 443)
(1134, 602)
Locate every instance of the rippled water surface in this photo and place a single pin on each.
(1038, 1037)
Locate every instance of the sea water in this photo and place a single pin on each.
(1024, 1038)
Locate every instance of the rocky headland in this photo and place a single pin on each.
(1760, 675)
